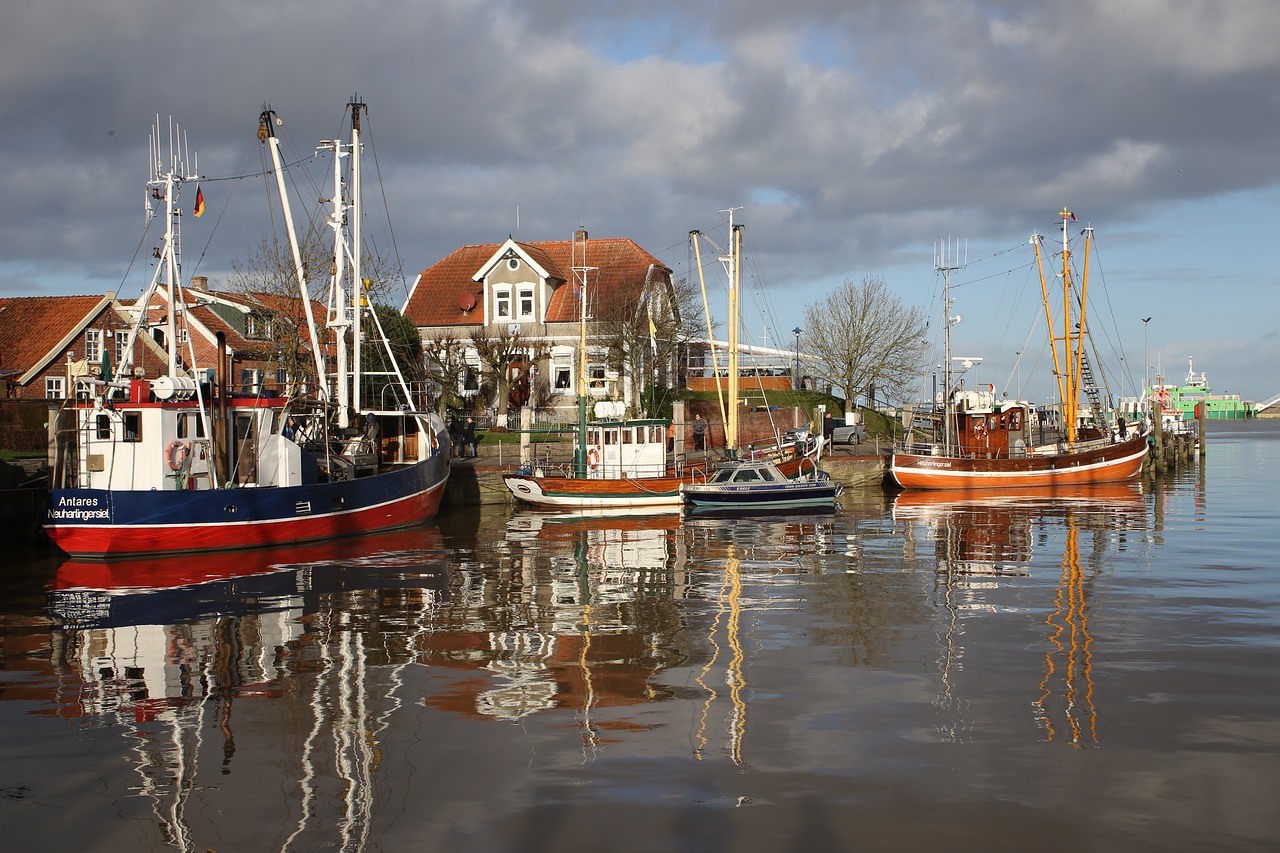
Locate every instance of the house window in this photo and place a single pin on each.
(502, 304)
(54, 388)
(122, 337)
(103, 426)
(183, 337)
(257, 326)
(93, 345)
(526, 303)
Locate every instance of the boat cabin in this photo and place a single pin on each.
(991, 429)
(628, 449)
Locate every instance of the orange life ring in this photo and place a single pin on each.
(593, 458)
(176, 453)
(980, 429)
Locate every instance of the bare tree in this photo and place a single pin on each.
(640, 352)
(862, 336)
(506, 359)
(267, 276)
(446, 361)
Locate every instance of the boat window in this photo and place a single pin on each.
(766, 474)
(722, 476)
(628, 435)
(610, 436)
(182, 425)
(1015, 419)
(104, 426)
(642, 435)
(133, 426)
(746, 475)
(658, 435)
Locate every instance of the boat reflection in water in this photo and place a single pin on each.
(560, 618)
(181, 655)
(986, 544)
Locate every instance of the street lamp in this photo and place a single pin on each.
(795, 376)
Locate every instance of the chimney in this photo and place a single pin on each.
(200, 282)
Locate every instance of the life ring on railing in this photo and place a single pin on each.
(980, 429)
(593, 458)
(176, 453)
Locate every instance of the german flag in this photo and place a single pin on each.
(199, 211)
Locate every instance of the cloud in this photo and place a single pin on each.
(851, 131)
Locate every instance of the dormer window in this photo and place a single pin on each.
(502, 304)
(257, 326)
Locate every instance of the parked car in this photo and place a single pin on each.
(848, 434)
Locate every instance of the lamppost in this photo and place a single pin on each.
(795, 376)
(1145, 368)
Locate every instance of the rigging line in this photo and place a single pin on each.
(1117, 348)
(377, 168)
(206, 179)
(226, 203)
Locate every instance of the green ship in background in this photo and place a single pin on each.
(1194, 392)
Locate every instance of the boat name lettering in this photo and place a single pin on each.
(933, 463)
(65, 500)
(82, 514)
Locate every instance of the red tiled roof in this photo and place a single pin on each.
(619, 269)
(31, 326)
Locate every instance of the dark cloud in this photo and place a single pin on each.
(853, 132)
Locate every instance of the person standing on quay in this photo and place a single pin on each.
(469, 437)
(699, 432)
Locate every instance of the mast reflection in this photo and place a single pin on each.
(985, 542)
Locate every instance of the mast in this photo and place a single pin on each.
(1067, 365)
(166, 185)
(946, 263)
(706, 308)
(359, 299)
(267, 120)
(735, 273)
(579, 271)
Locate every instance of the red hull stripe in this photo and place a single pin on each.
(83, 540)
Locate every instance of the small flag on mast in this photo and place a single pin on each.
(199, 210)
(1066, 214)
(653, 335)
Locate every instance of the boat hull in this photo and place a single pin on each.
(585, 493)
(101, 523)
(762, 496)
(614, 492)
(1111, 463)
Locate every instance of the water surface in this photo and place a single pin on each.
(1088, 671)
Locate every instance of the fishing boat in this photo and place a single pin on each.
(990, 443)
(619, 463)
(752, 481)
(191, 461)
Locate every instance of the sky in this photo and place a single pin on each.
(853, 135)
